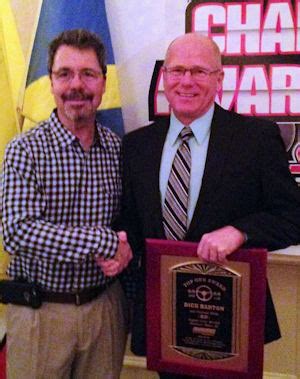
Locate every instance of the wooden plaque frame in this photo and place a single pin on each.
(248, 270)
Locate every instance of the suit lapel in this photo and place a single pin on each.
(217, 155)
(156, 144)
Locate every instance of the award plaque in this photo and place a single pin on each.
(205, 319)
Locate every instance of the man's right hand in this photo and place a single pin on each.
(114, 266)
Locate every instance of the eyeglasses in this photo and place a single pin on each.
(86, 75)
(198, 73)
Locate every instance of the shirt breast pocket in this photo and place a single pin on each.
(106, 205)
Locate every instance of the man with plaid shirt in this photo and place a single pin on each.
(61, 191)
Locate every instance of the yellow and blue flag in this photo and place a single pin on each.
(12, 70)
(56, 16)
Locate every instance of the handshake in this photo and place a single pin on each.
(123, 256)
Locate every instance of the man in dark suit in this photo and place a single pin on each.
(241, 192)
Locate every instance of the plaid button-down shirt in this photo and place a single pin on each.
(59, 203)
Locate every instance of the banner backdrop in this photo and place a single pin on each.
(259, 41)
(56, 16)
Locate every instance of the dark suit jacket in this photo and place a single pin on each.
(246, 184)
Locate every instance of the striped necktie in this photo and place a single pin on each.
(177, 194)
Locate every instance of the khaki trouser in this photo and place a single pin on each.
(68, 341)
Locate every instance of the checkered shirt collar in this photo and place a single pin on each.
(62, 137)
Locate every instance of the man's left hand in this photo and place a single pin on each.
(216, 245)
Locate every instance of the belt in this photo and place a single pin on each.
(77, 298)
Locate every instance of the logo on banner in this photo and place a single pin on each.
(260, 46)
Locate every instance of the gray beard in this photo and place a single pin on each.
(78, 115)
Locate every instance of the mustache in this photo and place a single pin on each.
(77, 95)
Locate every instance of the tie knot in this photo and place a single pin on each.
(186, 133)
